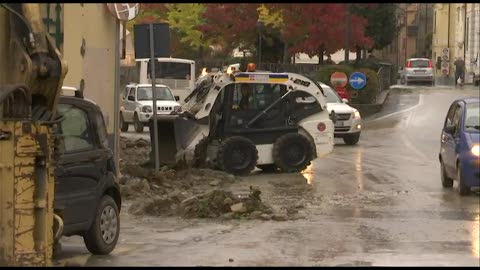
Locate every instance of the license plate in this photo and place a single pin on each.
(339, 124)
(420, 71)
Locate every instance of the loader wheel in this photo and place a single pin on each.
(102, 236)
(292, 152)
(123, 124)
(237, 155)
(137, 124)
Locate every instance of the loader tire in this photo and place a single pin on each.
(237, 155)
(292, 152)
(102, 236)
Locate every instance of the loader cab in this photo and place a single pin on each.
(261, 111)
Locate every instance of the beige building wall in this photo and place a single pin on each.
(444, 36)
(93, 28)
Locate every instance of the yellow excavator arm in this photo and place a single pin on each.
(28, 99)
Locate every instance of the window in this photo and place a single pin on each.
(249, 96)
(171, 70)
(472, 118)
(332, 96)
(435, 22)
(74, 129)
(451, 112)
(101, 129)
(132, 92)
(456, 118)
(162, 93)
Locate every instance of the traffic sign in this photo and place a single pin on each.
(339, 79)
(358, 80)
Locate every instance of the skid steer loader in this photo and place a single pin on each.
(237, 121)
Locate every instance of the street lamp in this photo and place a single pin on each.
(260, 25)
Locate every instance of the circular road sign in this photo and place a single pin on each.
(358, 80)
(339, 79)
(124, 11)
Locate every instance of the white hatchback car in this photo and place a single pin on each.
(419, 70)
(137, 104)
(349, 122)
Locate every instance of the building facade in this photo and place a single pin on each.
(472, 41)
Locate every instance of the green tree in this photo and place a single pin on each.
(382, 22)
(183, 19)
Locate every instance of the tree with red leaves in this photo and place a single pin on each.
(231, 25)
(316, 29)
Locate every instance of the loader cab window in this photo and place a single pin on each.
(256, 96)
(250, 99)
(74, 129)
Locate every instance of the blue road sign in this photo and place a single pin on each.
(358, 80)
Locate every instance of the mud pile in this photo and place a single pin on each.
(189, 192)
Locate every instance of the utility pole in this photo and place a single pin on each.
(347, 34)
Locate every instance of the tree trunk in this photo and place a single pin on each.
(320, 57)
(285, 53)
(358, 50)
(200, 52)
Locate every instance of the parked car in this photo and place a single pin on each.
(349, 122)
(419, 70)
(87, 195)
(460, 147)
(137, 104)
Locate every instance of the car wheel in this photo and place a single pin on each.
(102, 236)
(463, 189)
(351, 139)
(446, 181)
(269, 168)
(237, 155)
(292, 152)
(123, 124)
(137, 124)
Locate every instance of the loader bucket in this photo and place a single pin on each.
(174, 135)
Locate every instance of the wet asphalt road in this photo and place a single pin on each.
(378, 203)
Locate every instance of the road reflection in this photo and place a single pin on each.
(359, 169)
(308, 174)
(476, 238)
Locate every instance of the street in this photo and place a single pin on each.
(378, 203)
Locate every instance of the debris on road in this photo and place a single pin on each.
(188, 192)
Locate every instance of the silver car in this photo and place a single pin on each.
(137, 104)
(419, 70)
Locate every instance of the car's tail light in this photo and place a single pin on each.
(409, 64)
(321, 127)
(430, 64)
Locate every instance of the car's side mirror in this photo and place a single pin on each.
(345, 100)
(177, 98)
(131, 98)
(450, 129)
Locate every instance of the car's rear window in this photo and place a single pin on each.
(419, 63)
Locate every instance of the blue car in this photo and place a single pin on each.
(460, 148)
